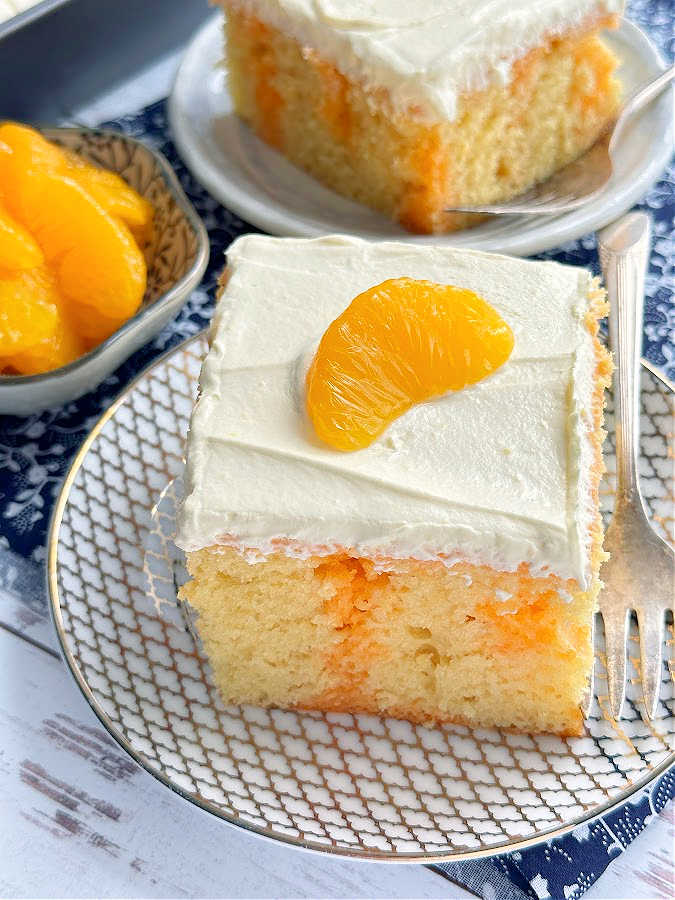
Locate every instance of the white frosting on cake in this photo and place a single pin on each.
(425, 53)
(494, 474)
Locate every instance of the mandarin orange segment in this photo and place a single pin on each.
(71, 268)
(28, 309)
(116, 197)
(397, 344)
(18, 250)
(93, 325)
(61, 348)
(28, 149)
(97, 262)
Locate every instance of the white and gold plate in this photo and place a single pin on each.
(360, 786)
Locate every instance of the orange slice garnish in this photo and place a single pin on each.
(399, 343)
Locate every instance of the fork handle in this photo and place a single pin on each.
(624, 252)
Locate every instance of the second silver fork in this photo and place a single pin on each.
(640, 573)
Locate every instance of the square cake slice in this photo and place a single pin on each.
(446, 572)
(409, 107)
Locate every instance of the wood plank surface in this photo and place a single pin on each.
(23, 601)
(81, 819)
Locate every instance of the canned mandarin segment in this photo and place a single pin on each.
(76, 228)
(399, 343)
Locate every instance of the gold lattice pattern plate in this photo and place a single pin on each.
(362, 786)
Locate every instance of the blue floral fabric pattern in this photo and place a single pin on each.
(563, 869)
(36, 451)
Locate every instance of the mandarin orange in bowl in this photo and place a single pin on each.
(99, 248)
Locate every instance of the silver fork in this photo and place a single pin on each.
(581, 180)
(640, 573)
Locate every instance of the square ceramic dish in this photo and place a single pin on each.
(177, 259)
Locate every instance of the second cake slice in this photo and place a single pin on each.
(411, 107)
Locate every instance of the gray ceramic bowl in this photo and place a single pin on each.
(177, 260)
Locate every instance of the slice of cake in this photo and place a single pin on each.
(410, 107)
(446, 568)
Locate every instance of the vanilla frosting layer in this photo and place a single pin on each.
(425, 53)
(495, 474)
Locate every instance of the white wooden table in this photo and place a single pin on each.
(78, 818)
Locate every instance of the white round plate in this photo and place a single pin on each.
(361, 786)
(261, 186)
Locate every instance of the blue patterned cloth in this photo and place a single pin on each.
(35, 452)
(564, 868)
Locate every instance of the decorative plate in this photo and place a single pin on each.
(264, 188)
(359, 786)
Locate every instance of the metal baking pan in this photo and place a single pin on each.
(61, 55)
(29, 14)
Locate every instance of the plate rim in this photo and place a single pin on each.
(372, 855)
(274, 218)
